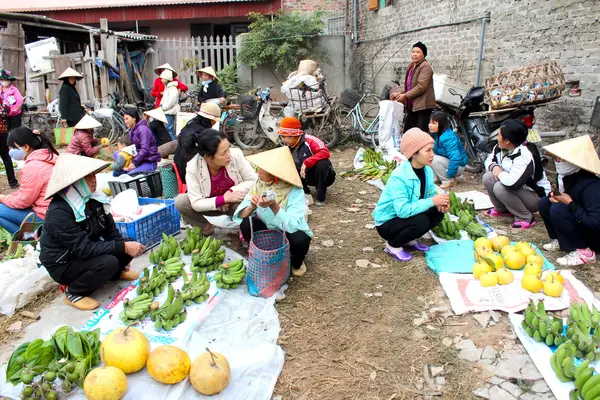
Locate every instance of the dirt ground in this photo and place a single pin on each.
(341, 343)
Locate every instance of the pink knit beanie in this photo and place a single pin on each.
(414, 140)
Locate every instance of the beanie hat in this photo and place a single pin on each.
(422, 47)
(414, 140)
(290, 126)
(515, 131)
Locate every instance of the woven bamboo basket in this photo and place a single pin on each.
(533, 84)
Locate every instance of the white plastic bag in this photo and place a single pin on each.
(390, 115)
(21, 280)
(125, 205)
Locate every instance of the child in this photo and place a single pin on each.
(311, 157)
(83, 141)
(409, 206)
(170, 101)
(123, 156)
(515, 179)
(450, 154)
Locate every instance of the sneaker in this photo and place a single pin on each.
(577, 257)
(448, 185)
(320, 203)
(417, 246)
(299, 271)
(83, 303)
(130, 275)
(399, 254)
(522, 225)
(552, 246)
(493, 213)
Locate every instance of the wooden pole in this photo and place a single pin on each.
(94, 67)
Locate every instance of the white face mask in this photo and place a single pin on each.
(5, 83)
(564, 168)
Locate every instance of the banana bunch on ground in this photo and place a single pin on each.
(456, 205)
(230, 275)
(587, 387)
(540, 326)
(193, 241)
(209, 257)
(579, 326)
(375, 167)
(168, 248)
(194, 290)
(475, 230)
(563, 362)
(152, 284)
(447, 229)
(171, 313)
(136, 309)
(173, 268)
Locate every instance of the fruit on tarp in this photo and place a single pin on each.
(505, 276)
(482, 246)
(557, 275)
(552, 287)
(532, 283)
(533, 269)
(499, 242)
(481, 268)
(126, 349)
(210, 373)
(104, 141)
(105, 383)
(535, 259)
(514, 260)
(507, 249)
(488, 279)
(168, 364)
(525, 248)
(494, 260)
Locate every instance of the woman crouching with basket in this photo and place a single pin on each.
(276, 202)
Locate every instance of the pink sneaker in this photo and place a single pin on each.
(493, 213)
(523, 224)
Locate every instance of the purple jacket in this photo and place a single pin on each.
(142, 137)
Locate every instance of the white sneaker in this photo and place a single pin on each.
(577, 257)
(552, 246)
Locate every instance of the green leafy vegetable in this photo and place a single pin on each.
(74, 346)
(13, 370)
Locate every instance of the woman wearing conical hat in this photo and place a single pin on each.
(81, 246)
(69, 102)
(572, 218)
(209, 88)
(83, 142)
(276, 201)
(158, 88)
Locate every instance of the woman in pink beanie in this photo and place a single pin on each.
(409, 206)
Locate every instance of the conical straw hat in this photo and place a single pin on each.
(69, 169)
(208, 70)
(278, 162)
(70, 72)
(87, 122)
(210, 111)
(578, 151)
(158, 114)
(161, 68)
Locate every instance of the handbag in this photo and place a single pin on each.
(63, 136)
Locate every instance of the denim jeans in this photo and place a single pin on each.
(171, 126)
(11, 219)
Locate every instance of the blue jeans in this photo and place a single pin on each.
(171, 126)
(11, 219)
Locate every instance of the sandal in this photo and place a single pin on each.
(493, 213)
(522, 225)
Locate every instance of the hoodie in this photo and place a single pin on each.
(34, 181)
(170, 99)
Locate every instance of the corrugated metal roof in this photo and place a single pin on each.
(45, 5)
(135, 36)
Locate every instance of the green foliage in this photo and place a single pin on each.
(283, 40)
(228, 79)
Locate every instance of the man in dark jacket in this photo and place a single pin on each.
(69, 102)
(572, 218)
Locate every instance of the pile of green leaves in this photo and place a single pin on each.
(283, 40)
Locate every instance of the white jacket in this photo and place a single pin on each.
(170, 99)
(197, 178)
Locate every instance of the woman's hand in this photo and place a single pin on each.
(63, 122)
(2, 197)
(232, 196)
(443, 209)
(134, 249)
(303, 171)
(223, 100)
(496, 171)
(441, 200)
(562, 198)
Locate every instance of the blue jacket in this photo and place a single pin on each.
(449, 145)
(400, 198)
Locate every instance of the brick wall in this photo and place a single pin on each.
(314, 5)
(521, 32)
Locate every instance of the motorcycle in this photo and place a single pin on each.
(256, 124)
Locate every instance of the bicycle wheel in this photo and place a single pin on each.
(104, 130)
(347, 122)
(248, 135)
(370, 100)
(370, 135)
(117, 127)
(40, 123)
(327, 129)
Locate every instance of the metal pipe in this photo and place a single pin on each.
(355, 33)
(137, 27)
(484, 20)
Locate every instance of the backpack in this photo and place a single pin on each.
(538, 171)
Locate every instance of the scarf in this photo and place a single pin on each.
(280, 187)
(205, 84)
(77, 195)
(564, 168)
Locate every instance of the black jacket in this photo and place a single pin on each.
(584, 189)
(64, 240)
(213, 91)
(160, 132)
(184, 155)
(69, 103)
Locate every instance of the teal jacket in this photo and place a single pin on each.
(400, 198)
(291, 219)
(449, 145)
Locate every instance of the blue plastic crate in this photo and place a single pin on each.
(149, 229)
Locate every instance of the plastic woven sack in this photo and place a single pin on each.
(268, 262)
(169, 182)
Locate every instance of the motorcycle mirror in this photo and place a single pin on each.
(453, 93)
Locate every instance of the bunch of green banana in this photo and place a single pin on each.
(194, 290)
(579, 327)
(136, 309)
(447, 229)
(385, 178)
(210, 256)
(475, 230)
(168, 248)
(585, 317)
(173, 268)
(375, 167)
(17, 254)
(563, 362)
(540, 326)
(583, 375)
(193, 241)
(371, 156)
(152, 284)
(171, 313)
(456, 206)
(230, 275)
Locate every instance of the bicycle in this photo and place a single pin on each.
(354, 122)
(34, 119)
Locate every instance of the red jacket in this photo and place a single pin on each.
(82, 144)
(310, 151)
(158, 88)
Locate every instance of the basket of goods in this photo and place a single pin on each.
(533, 84)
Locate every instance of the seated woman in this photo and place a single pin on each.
(156, 120)
(450, 154)
(218, 177)
(143, 139)
(277, 173)
(207, 117)
(572, 218)
(409, 206)
(83, 142)
(40, 157)
(81, 246)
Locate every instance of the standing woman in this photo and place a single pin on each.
(147, 150)
(417, 91)
(10, 113)
(69, 101)
(158, 88)
(210, 89)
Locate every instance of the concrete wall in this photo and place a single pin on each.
(521, 32)
(313, 5)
